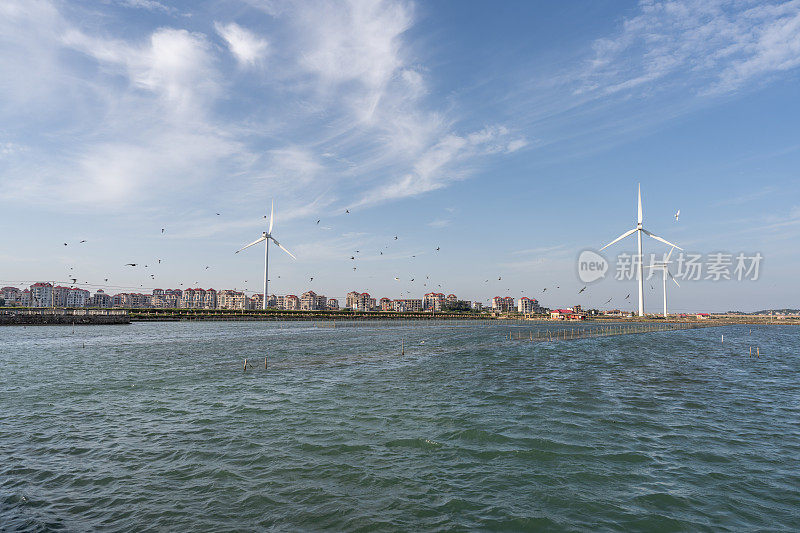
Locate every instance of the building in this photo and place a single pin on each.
(10, 295)
(407, 305)
(503, 304)
(292, 302)
(566, 314)
(25, 298)
(228, 299)
(41, 295)
(433, 301)
(60, 295)
(477, 306)
(385, 304)
(360, 301)
(101, 299)
(78, 298)
(199, 299)
(257, 301)
(333, 304)
(527, 305)
(311, 301)
(272, 300)
(451, 300)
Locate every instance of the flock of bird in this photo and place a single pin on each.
(353, 257)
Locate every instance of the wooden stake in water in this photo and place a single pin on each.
(265, 362)
(402, 347)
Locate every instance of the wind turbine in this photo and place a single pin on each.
(664, 267)
(266, 236)
(639, 230)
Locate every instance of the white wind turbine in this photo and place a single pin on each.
(266, 237)
(639, 230)
(664, 267)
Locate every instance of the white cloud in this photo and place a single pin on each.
(711, 46)
(248, 48)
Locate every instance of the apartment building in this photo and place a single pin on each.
(527, 305)
(78, 298)
(503, 304)
(333, 304)
(100, 299)
(41, 295)
(409, 305)
(433, 301)
(228, 299)
(311, 301)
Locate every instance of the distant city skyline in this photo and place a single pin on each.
(474, 148)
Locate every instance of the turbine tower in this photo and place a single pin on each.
(266, 236)
(663, 266)
(639, 230)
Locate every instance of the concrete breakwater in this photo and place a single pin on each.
(66, 317)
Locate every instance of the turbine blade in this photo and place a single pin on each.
(619, 238)
(279, 245)
(271, 216)
(639, 219)
(656, 237)
(669, 254)
(262, 238)
(673, 279)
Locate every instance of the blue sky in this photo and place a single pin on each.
(511, 136)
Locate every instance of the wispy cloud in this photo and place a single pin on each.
(708, 46)
(248, 48)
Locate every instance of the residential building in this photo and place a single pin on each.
(408, 305)
(292, 302)
(60, 295)
(527, 305)
(477, 306)
(433, 301)
(360, 301)
(199, 299)
(272, 301)
(451, 299)
(333, 304)
(78, 298)
(11, 295)
(386, 304)
(228, 299)
(25, 298)
(311, 301)
(257, 301)
(101, 299)
(503, 304)
(42, 295)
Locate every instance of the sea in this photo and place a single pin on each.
(384, 426)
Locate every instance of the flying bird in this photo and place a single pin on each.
(501, 277)
(74, 280)
(159, 261)
(206, 267)
(130, 264)
(628, 296)
(347, 211)
(677, 215)
(609, 300)
(354, 268)
(217, 214)
(162, 230)
(397, 279)
(352, 257)
(312, 279)
(583, 289)
(544, 290)
(105, 279)
(395, 237)
(381, 253)
(437, 248)
(84, 240)
(65, 244)
(318, 221)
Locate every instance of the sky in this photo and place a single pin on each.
(511, 136)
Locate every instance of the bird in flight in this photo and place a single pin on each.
(318, 221)
(130, 264)
(312, 279)
(628, 296)
(437, 248)
(609, 300)
(65, 244)
(346, 211)
(105, 279)
(162, 230)
(396, 279)
(501, 277)
(583, 289)
(412, 279)
(544, 290)
(206, 267)
(159, 261)
(217, 214)
(395, 237)
(354, 268)
(381, 253)
(74, 280)
(83, 241)
(352, 257)
(677, 215)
